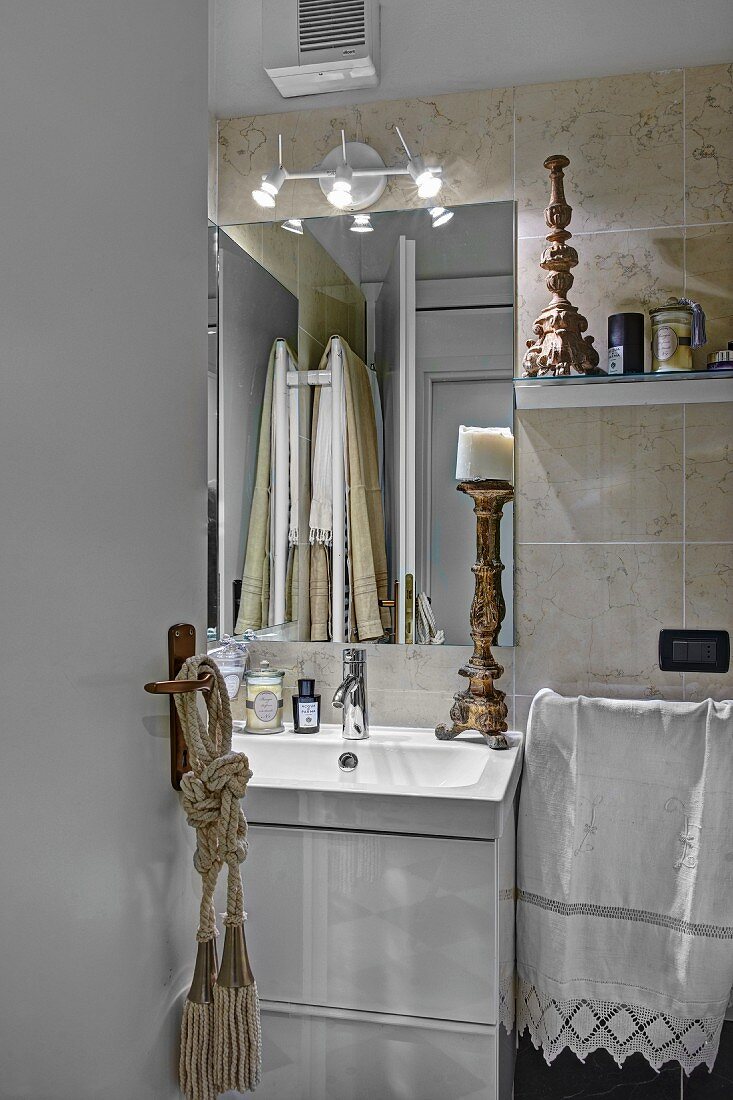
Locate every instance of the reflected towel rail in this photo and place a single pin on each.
(338, 493)
(309, 378)
(334, 379)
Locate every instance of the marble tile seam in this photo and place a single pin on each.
(684, 175)
(630, 229)
(684, 520)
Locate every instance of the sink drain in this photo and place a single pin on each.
(348, 761)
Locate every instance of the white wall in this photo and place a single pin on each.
(103, 137)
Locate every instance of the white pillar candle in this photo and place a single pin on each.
(485, 453)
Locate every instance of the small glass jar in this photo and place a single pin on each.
(721, 360)
(264, 699)
(233, 661)
(671, 336)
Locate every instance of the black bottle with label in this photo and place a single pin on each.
(626, 343)
(306, 708)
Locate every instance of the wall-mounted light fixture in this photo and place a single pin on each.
(428, 184)
(439, 215)
(362, 223)
(266, 193)
(352, 176)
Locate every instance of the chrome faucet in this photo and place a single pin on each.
(351, 696)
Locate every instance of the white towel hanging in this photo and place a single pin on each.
(625, 892)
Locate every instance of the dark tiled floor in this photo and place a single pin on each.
(599, 1077)
(570, 1079)
(718, 1085)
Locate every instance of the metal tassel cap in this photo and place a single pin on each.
(235, 971)
(204, 974)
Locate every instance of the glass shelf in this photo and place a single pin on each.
(597, 390)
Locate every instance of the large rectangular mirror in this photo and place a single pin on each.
(348, 353)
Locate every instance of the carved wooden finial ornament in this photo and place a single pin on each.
(559, 347)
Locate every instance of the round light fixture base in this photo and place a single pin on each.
(364, 191)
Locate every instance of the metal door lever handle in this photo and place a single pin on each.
(180, 687)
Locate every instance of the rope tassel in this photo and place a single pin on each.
(237, 1017)
(220, 1029)
(195, 1069)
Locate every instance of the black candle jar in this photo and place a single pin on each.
(626, 343)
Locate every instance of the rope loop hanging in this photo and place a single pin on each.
(220, 1032)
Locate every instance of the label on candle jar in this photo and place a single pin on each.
(232, 682)
(665, 343)
(616, 360)
(265, 706)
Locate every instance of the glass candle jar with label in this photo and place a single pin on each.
(264, 699)
(233, 660)
(671, 337)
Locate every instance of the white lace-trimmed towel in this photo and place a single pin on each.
(625, 878)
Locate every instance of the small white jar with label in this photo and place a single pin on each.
(264, 699)
(233, 660)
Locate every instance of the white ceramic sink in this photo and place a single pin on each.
(405, 780)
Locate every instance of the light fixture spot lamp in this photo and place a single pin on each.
(362, 223)
(340, 193)
(267, 192)
(439, 215)
(352, 176)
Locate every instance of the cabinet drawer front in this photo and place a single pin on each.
(373, 922)
(307, 1057)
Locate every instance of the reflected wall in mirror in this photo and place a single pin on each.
(350, 351)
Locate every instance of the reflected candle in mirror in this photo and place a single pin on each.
(484, 454)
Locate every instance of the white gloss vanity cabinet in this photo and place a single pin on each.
(381, 916)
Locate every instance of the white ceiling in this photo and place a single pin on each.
(433, 46)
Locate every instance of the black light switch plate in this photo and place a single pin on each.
(694, 650)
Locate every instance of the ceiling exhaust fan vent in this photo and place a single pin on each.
(331, 25)
(311, 46)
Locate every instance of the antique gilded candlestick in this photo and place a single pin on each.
(559, 346)
(481, 705)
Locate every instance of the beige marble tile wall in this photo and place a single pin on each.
(624, 526)
(407, 684)
(650, 186)
(624, 516)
